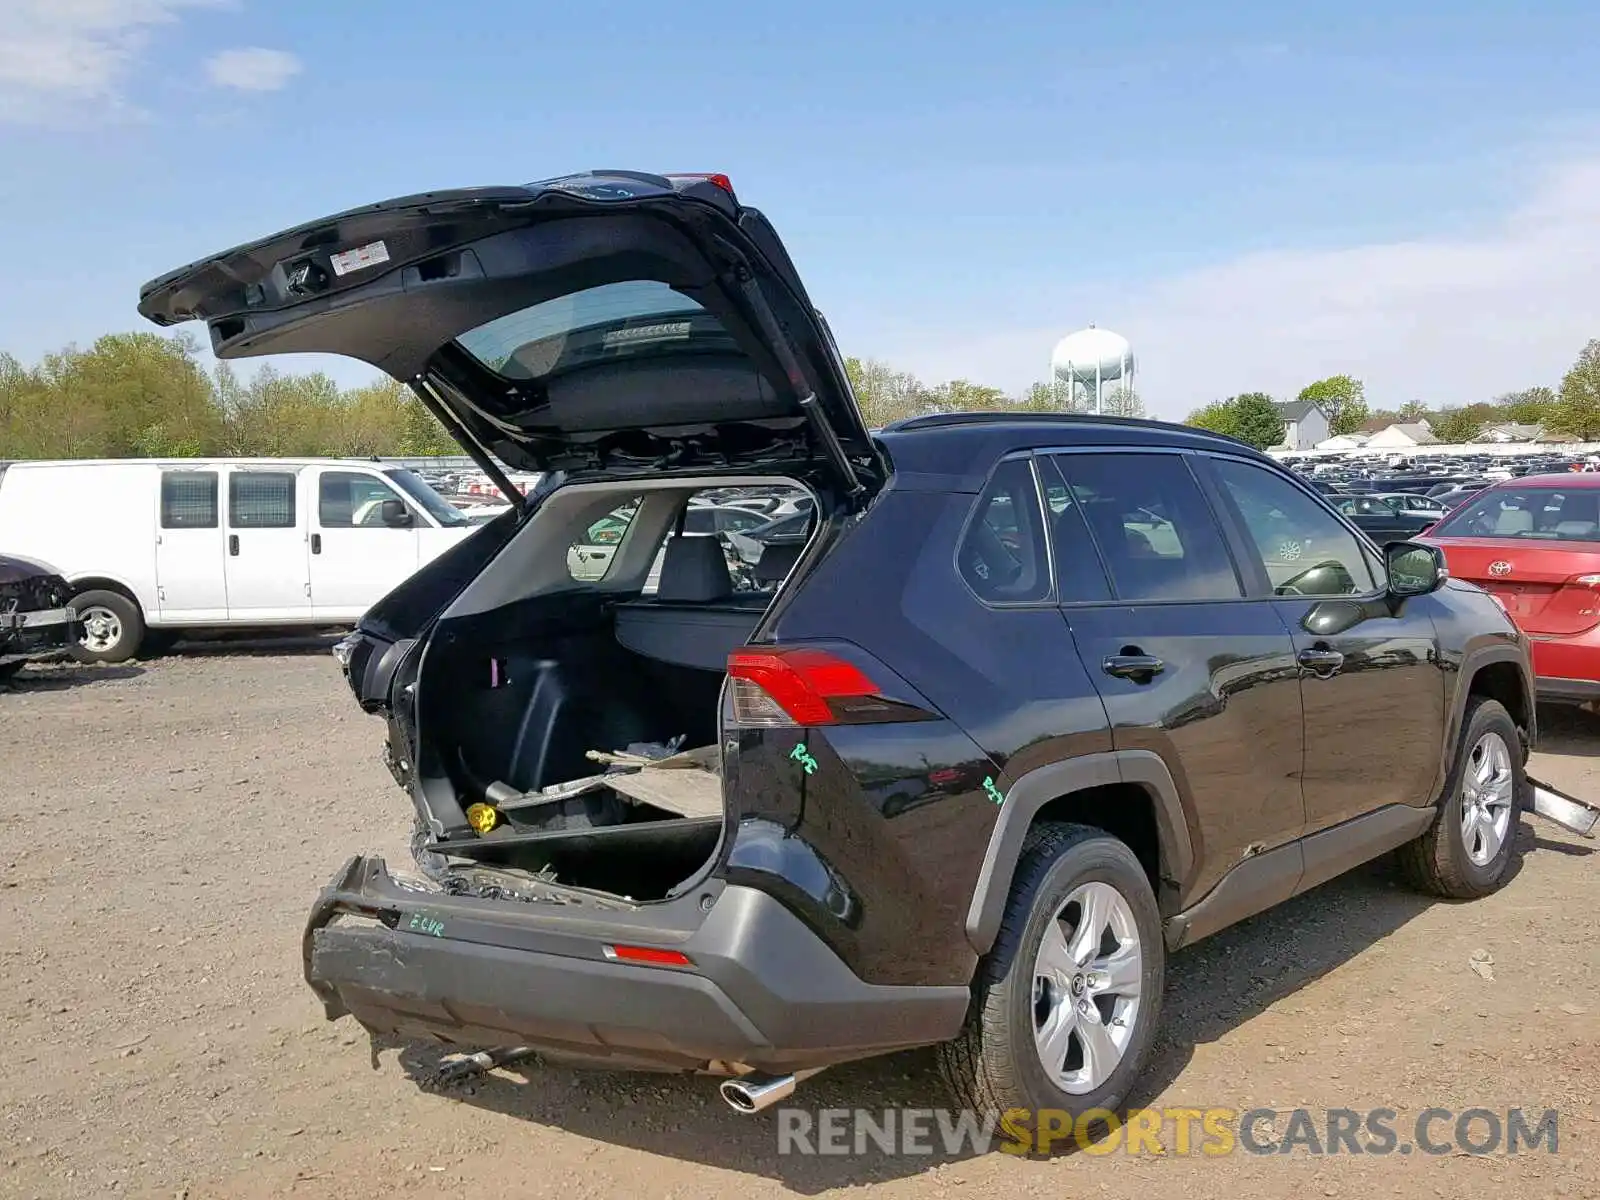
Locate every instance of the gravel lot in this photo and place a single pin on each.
(166, 825)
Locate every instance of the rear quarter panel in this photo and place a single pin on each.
(897, 818)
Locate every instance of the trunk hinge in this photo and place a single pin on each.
(424, 392)
(803, 385)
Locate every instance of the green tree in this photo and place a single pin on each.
(1412, 410)
(1258, 420)
(1044, 396)
(1530, 406)
(883, 393)
(1220, 416)
(1577, 409)
(1342, 398)
(1122, 402)
(960, 395)
(1454, 426)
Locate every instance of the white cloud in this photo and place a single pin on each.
(62, 56)
(1444, 320)
(253, 69)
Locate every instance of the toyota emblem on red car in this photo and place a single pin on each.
(1499, 568)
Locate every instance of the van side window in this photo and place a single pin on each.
(1002, 555)
(188, 499)
(261, 500)
(350, 500)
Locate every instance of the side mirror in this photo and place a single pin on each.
(395, 514)
(1414, 569)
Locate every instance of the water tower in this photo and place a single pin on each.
(1093, 358)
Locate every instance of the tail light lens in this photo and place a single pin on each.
(777, 687)
(1588, 581)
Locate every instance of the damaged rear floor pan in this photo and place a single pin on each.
(674, 816)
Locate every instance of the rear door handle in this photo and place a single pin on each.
(1141, 668)
(233, 544)
(316, 543)
(1321, 660)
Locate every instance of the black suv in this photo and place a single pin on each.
(1039, 701)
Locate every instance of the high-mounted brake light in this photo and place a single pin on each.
(792, 686)
(721, 181)
(649, 955)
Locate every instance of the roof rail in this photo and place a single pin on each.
(1004, 416)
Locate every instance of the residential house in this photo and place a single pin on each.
(1511, 432)
(1304, 424)
(1402, 436)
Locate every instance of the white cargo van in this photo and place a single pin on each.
(153, 547)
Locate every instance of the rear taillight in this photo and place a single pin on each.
(1588, 581)
(794, 686)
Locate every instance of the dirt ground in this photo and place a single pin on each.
(164, 828)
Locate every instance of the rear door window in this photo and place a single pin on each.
(261, 500)
(1080, 575)
(189, 500)
(1002, 555)
(1151, 525)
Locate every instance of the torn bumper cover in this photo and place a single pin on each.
(759, 988)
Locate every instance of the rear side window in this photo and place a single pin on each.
(261, 500)
(590, 554)
(1151, 525)
(188, 499)
(1002, 555)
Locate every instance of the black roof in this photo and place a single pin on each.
(966, 444)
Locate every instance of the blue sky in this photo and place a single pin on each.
(1254, 194)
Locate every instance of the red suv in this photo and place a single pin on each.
(1534, 543)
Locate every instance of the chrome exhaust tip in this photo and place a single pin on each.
(752, 1093)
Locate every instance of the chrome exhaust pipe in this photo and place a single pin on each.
(756, 1091)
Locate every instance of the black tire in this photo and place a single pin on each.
(10, 669)
(994, 1064)
(130, 627)
(1438, 861)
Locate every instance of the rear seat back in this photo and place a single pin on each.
(694, 619)
(694, 570)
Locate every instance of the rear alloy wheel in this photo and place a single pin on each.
(1467, 851)
(1087, 975)
(113, 627)
(1066, 1004)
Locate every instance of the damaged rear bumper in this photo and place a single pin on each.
(25, 635)
(761, 989)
